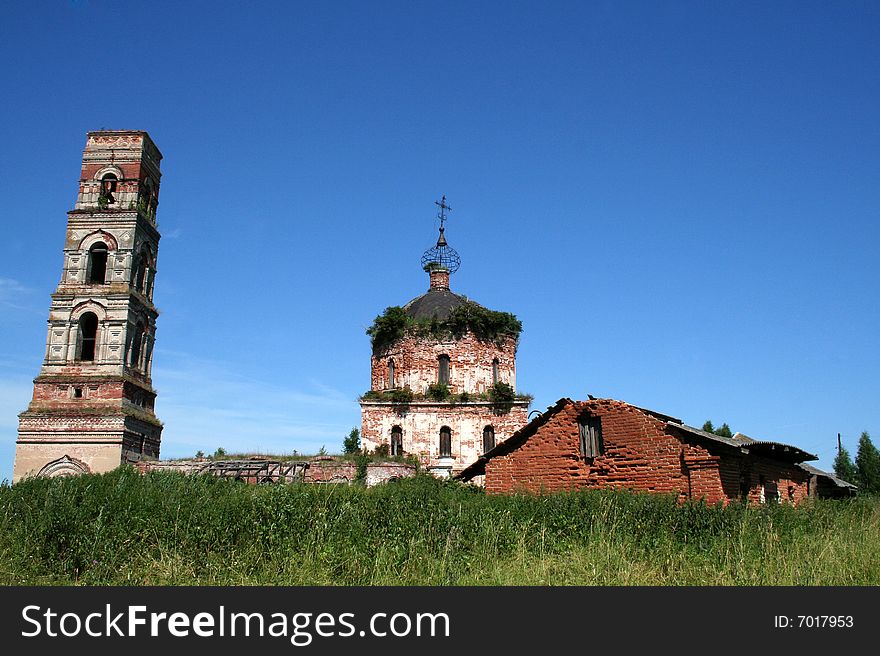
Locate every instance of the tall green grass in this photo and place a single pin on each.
(122, 528)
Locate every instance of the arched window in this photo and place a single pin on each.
(488, 439)
(445, 442)
(443, 369)
(396, 441)
(97, 270)
(136, 341)
(108, 187)
(88, 335)
(495, 371)
(143, 263)
(391, 373)
(145, 195)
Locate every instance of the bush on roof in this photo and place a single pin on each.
(486, 325)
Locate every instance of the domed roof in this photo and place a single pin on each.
(435, 304)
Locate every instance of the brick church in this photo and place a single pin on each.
(92, 407)
(443, 373)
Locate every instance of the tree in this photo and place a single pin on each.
(352, 443)
(724, 431)
(868, 465)
(844, 467)
(220, 452)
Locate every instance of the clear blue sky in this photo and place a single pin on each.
(678, 199)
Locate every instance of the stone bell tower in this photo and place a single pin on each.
(92, 407)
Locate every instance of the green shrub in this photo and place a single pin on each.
(486, 325)
(438, 391)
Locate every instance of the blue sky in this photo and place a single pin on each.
(678, 199)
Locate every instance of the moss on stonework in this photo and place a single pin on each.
(501, 395)
(486, 325)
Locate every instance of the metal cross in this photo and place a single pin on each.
(443, 209)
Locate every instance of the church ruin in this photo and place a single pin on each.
(443, 373)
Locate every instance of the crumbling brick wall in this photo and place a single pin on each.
(640, 453)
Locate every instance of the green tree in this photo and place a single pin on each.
(844, 467)
(220, 452)
(868, 465)
(352, 443)
(724, 431)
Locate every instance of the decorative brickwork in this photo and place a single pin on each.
(640, 450)
(93, 398)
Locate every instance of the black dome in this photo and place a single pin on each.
(437, 303)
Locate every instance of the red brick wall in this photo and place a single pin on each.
(640, 454)
(421, 423)
(470, 363)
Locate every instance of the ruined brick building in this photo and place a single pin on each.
(443, 373)
(442, 384)
(602, 443)
(92, 406)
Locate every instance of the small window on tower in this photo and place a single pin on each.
(495, 371)
(142, 268)
(443, 369)
(145, 196)
(97, 272)
(77, 392)
(396, 441)
(391, 374)
(108, 187)
(445, 442)
(488, 439)
(88, 333)
(136, 341)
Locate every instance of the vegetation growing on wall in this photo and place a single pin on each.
(486, 325)
(501, 395)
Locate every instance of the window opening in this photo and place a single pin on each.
(488, 439)
(590, 430)
(88, 333)
(135, 358)
(445, 442)
(98, 263)
(396, 441)
(443, 369)
(108, 187)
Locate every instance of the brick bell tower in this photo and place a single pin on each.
(92, 407)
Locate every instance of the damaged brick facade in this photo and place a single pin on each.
(448, 432)
(640, 450)
(256, 471)
(93, 402)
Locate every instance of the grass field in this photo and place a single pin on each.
(125, 529)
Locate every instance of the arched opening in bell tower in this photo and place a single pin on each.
(108, 187)
(88, 336)
(97, 271)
